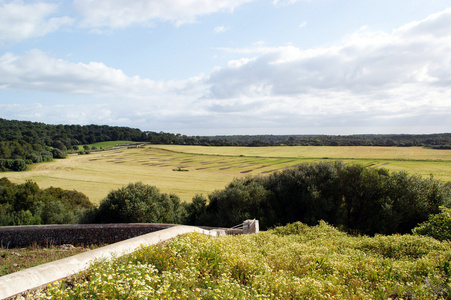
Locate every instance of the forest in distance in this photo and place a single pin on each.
(24, 142)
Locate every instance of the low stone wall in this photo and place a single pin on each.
(16, 285)
(20, 236)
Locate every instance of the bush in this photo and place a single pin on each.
(58, 153)
(12, 165)
(27, 204)
(140, 203)
(437, 226)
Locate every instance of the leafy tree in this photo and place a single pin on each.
(240, 200)
(140, 203)
(196, 211)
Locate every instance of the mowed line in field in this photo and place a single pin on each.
(209, 168)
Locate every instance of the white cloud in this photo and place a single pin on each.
(106, 94)
(364, 62)
(303, 24)
(284, 2)
(220, 29)
(20, 21)
(122, 13)
(397, 76)
(434, 26)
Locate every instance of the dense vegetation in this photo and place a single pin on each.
(291, 262)
(138, 203)
(24, 142)
(437, 226)
(27, 204)
(351, 197)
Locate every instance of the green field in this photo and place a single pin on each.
(211, 168)
(107, 145)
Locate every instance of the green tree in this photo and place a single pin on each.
(140, 203)
(58, 153)
(241, 200)
(196, 211)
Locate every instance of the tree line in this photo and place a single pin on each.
(27, 204)
(25, 142)
(351, 197)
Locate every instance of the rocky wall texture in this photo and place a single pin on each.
(21, 236)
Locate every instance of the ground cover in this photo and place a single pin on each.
(16, 259)
(212, 168)
(291, 262)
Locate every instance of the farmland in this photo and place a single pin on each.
(211, 168)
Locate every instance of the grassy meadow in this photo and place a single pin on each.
(211, 168)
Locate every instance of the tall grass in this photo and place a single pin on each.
(291, 262)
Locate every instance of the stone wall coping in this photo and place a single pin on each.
(83, 226)
(39, 276)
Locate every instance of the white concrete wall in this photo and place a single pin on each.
(42, 275)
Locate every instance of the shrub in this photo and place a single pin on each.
(140, 203)
(12, 165)
(58, 153)
(27, 204)
(437, 226)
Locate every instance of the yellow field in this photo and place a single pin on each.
(211, 168)
(342, 152)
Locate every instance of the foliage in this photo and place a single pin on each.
(437, 226)
(27, 204)
(196, 211)
(140, 203)
(12, 164)
(297, 262)
(241, 200)
(352, 197)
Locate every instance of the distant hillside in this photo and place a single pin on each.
(437, 141)
(25, 142)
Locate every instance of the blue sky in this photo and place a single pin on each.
(201, 67)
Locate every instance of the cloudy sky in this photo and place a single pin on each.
(203, 67)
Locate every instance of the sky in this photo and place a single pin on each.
(229, 67)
